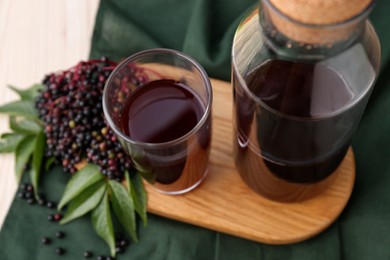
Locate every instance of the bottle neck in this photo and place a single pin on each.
(289, 37)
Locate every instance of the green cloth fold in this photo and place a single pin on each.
(204, 30)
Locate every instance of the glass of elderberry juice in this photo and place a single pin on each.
(158, 103)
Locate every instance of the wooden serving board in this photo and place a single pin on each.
(223, 202)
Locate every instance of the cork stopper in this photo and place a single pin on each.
(301, 20)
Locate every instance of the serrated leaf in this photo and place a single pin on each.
(85, 202)
(24, 126)
(81, 180)
(102, 222)
(29, 93)
(37, 155)
(123, 206)
(49, 162)
(137, 190)
(23, 108)
(10, 142)
(23, 154)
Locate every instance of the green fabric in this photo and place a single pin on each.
(204, 30)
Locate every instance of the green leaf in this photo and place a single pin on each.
(39, 148)
(81, 180)
(148, 176)
(137, 190)
(24, 108)
(102, 223)
(123, 206)
(49, 162)
(25, 126)
(85, 201)
(29, 93)
(23, 154)
(10, 142)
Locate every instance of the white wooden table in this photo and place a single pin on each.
(37, 37)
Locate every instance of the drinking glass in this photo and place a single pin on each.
(175, 166)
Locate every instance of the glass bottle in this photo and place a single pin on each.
(301, 82)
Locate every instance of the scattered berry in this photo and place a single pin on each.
(42, 202)
(60, 234)
(100, 257)
(123, 243)
(50, 217)
(46, 241)
(30, 188)
(119, 250)
(21, 195)
(50, 205)
(23, 187)
(60, 251)
(57, 217)
(88, 254)
(27, 193)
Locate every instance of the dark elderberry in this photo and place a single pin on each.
(70, 105)
(28, 195)
(88, 254)
(60, 234)
(42, 202)
(30, 188)
(46, 241)
(119, 250)
(124, 243)
(50, 205)
(50, 217)
(23, 187)
(60, 251)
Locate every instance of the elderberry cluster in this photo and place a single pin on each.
(107, 152)
(70, 105)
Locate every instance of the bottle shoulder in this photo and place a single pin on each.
(253, 45)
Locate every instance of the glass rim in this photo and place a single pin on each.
(359, 16)
(137, 55)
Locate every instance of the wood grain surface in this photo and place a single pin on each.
(223, 202)
(37, 37)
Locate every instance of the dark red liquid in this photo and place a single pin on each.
(158, 112)
(299, 127)
(161, 111)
